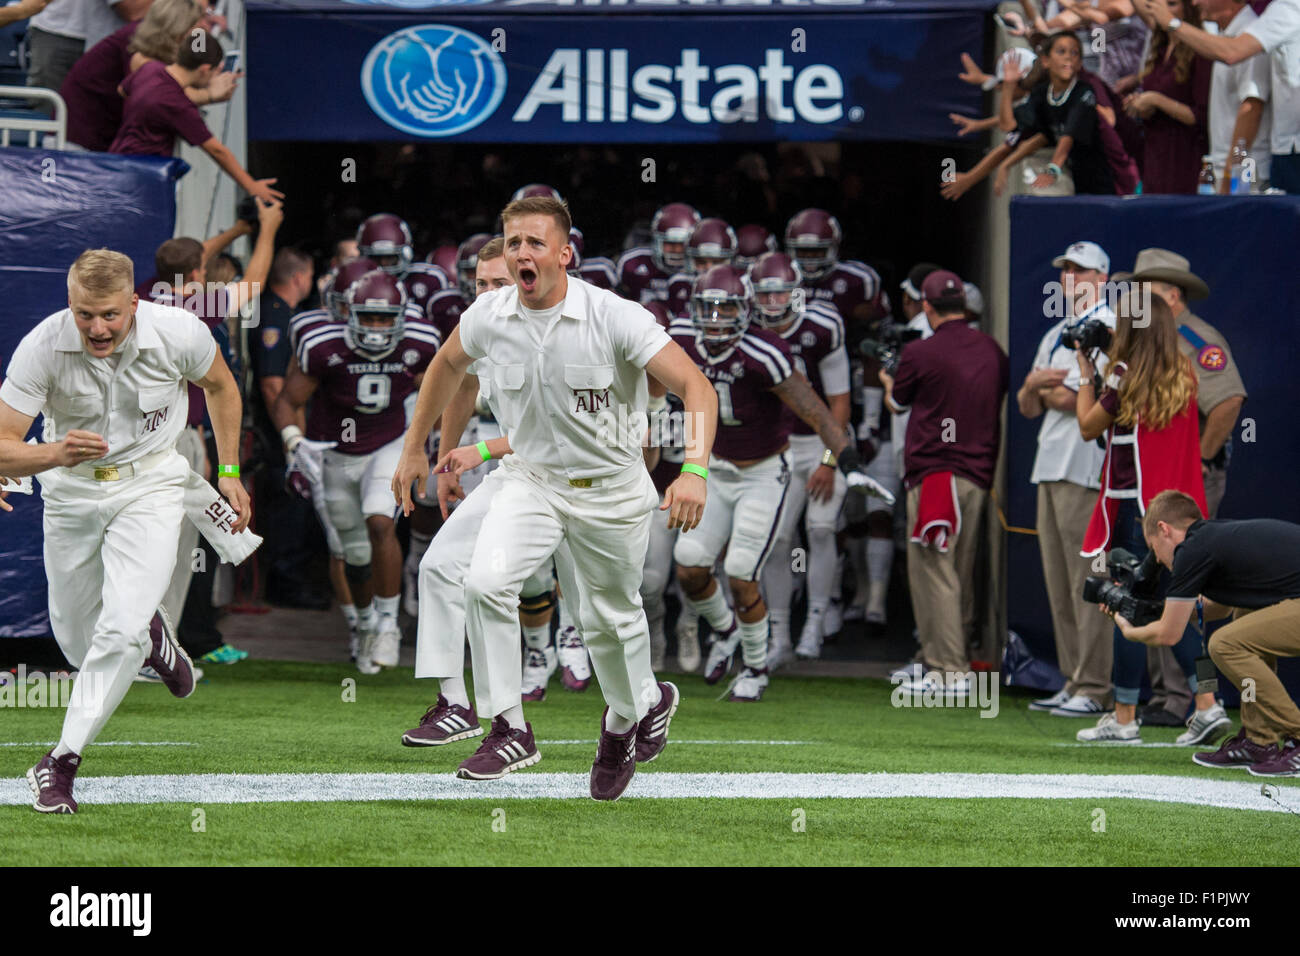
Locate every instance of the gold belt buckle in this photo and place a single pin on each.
(107, 474)
(580, 482)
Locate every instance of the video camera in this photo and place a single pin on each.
(1129, 587)
(1088, 336)
(889, 347)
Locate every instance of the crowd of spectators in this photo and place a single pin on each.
(1123, 97)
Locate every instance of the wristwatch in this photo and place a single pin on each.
(1173, 24)
(828, 458)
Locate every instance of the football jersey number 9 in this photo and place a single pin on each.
(373, 393)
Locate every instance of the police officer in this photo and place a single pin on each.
(1219, 397)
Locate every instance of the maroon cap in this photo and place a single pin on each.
(943, 286)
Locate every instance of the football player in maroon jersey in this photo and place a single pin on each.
(386, 239)
(360, 375)
(753, 373)
(712, 243)
(643, 273)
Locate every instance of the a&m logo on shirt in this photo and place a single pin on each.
(155, 418)
(590, 400)
(1212, 358)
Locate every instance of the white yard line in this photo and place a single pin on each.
(526, 785)
(678, 743)
(101, 743)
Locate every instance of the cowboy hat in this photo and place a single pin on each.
(1161, 265)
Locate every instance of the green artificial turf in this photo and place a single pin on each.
(267, 717)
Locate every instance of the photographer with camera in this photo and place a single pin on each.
(1066, 470)
(1249, 570)
(1147, 411)
(955, 381)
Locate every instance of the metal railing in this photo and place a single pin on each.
(34, 124)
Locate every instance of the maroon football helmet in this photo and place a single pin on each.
(672, 226)
(775, 279)
(386, 239)
(712, 243)
(536, 189)
(444, 257)
(467, 263)
(659, 309)
(720, 307)
(751, 242)
(376, 295)
(336, 290)
(813, 238)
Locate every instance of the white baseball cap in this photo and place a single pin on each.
(974, 298)
(1086, 254)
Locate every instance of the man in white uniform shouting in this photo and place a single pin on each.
(109, 375)
(568, 364)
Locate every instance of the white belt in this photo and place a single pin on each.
(118, 472)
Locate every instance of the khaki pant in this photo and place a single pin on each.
(1246, 651)
(1168, 683)
(1083, 634)
(941, 583)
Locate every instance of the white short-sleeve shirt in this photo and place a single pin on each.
(139, 407)
(1062, 454)
(1278, 32)
(568, 395)
(1230, 86)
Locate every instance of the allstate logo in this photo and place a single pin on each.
(420, 4)
(433, 80)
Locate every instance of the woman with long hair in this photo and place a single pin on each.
(1147, 411)
(90, 88)
(1173, 105)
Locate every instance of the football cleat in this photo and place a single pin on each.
(575, 666)
(386, 649)
(749, 685)
(539, 665)
(688, 641)
(810, 641)
(721, 651)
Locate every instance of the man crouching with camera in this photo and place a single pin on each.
(1249, 570)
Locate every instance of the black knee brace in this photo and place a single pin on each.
(357, 574)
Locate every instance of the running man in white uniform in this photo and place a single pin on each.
(109, 374)
(567, 360)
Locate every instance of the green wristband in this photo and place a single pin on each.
(483, 450)
(689, 469)
(227, 471)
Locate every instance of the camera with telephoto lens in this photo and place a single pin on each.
(888, 349)
(1129, 588)
(1087, 336)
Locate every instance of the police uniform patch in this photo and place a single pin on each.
(410, 356)
(1212, 358)
(270, 338)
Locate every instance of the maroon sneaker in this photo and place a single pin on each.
(1286, 763)
(1237, 752)
(168, 658)
(615, 762)
(51, 782)
(443, 723)
(652, 732)
(504, 750)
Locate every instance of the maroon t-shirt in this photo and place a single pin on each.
(156, 112)
(1172, 151)
(751, 417)
(356, 388)
(90, 90)
(955, 382)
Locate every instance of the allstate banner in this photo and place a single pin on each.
(501, 75)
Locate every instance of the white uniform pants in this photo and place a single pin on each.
(190, 446)
(819, 520)
(358, 487)
(606, 527)
(110, 547)
(742, 514)
(658, 568)
(440, 634)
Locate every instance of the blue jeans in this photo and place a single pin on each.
(1131, 656)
